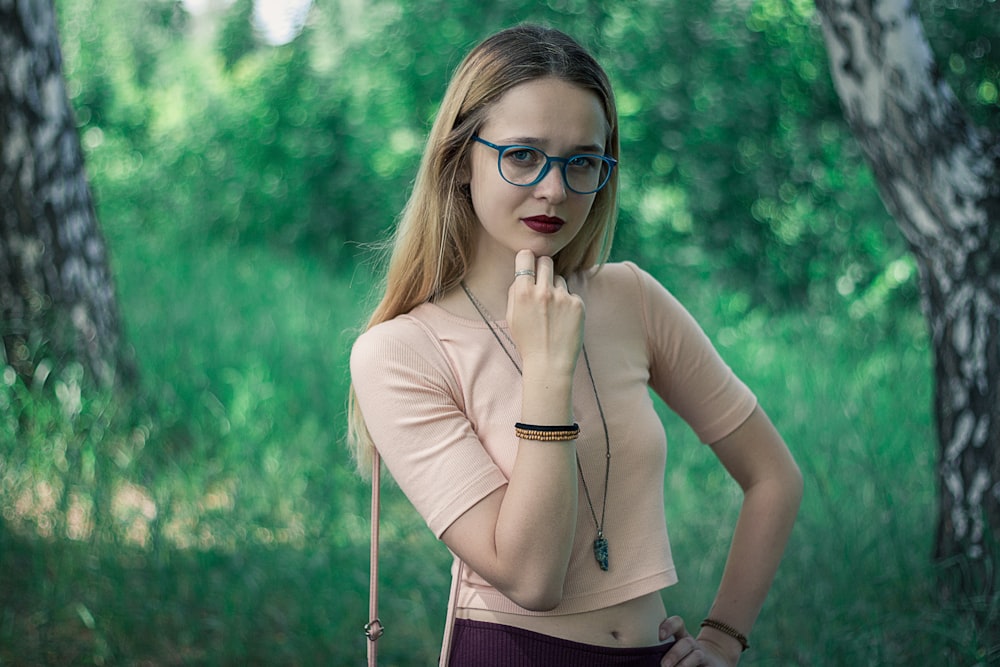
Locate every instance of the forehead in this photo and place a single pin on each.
(556, 113)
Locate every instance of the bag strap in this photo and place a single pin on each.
(449, 623)
(374, 628)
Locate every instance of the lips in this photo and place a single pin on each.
(544, 224)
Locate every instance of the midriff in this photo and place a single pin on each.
(629, 624)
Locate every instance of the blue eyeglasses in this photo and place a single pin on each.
(584, 174)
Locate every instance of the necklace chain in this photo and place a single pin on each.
(601, 543)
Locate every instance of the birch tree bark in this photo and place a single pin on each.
(938, 176)
(57, 299)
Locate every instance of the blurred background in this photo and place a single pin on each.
(247, 158)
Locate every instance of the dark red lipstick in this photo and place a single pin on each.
(544, 224)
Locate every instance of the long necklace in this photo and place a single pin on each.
(601, 543)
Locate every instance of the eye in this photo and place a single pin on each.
(523, 155)
(584, 162)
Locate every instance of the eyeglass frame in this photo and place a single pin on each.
(501, 149)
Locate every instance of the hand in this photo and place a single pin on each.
(546, 321)
(688, 651)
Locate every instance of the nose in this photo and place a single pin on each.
(552, 186)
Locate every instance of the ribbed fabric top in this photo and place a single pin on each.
(440, 399)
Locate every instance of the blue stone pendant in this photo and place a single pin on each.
(601, 551)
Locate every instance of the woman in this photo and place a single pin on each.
(529, 444)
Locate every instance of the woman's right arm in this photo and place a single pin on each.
(519, 538)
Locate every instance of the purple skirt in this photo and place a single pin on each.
(480, 644)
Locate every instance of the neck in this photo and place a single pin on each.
(490, 282)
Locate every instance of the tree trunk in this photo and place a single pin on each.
(57, 299)
(937, 174)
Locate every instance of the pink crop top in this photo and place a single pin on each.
(440, 399)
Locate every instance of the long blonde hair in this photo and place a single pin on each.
(433, 242)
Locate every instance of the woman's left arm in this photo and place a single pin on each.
(758, 459)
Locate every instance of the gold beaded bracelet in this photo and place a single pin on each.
(727, 629)
(546, 433)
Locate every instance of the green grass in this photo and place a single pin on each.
(219, 521)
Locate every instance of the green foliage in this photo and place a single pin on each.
(738, 161)
(212, 520)
(236, 37)
(737, 164)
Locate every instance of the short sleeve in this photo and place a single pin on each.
(412, 408)
(686, 370)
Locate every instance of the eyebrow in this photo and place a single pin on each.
(536, 142)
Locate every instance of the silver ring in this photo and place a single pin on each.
(524, 272)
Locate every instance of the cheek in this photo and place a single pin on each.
(583, 208)
(481, 171)
(491, 196)
(486, 204)
(481, 190)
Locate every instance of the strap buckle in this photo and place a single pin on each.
(374, 629)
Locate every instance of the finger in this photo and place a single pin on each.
(524, 265)
(545, 271)
(560, 283)
(693, 659)
(684, 653)
(673, 626)
(525, 273)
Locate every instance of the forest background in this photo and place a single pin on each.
(243, 186)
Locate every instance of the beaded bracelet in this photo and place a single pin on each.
(546, 433)
(727, 629)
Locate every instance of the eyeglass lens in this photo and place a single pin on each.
(523, 165)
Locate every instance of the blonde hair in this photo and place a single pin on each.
(433, 242)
